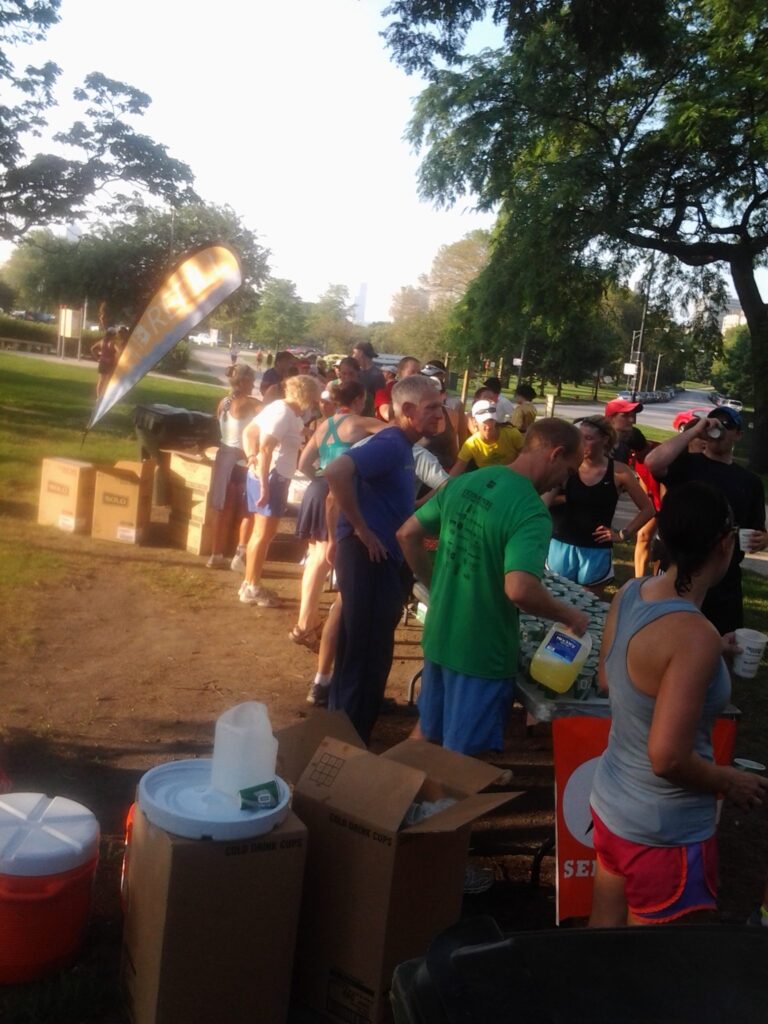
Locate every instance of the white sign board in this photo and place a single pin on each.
(517, 361)
(630, 369)
(70, 322)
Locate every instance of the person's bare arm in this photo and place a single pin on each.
(266, 450)
(676, 717)
(410, 536)
(331, 519)
(308, 458)
(658, 460)
(531, 596)
(627, 482)
(340, 475)
(458, 468)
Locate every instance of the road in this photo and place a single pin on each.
(658, 415)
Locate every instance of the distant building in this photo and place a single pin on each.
(732, 315)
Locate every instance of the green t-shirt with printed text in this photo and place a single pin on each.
(489, 522)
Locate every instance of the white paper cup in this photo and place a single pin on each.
(752, 644)
(745, 539)
(744, 764)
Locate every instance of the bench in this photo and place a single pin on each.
(28, 345)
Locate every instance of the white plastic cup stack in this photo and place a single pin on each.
(752, 644)
(745, 539)
(244, 749)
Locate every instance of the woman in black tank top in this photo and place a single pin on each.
(582, 536)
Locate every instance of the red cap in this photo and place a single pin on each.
(622, 405)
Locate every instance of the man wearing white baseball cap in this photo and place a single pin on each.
(493, 444)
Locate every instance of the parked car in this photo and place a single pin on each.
(679, 422)
(732, 403)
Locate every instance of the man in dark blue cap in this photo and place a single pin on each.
(673, 464)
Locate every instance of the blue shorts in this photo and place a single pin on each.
(278, 495)
(587, 566)
(464, 713)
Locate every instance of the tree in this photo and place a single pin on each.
(455, 266)
(328, 320)
(731, 373)
(122, 263)
(48, 188)
(605, 130)
(408, 302)
(281, 318)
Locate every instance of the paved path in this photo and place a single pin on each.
(625, 511)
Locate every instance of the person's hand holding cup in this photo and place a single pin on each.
(751, 646)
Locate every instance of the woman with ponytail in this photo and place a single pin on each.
(655, 788)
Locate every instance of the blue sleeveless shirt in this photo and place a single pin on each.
(634, 803)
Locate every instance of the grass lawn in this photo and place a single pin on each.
(44, 409)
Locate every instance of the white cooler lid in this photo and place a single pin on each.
(179, 798)
(40, 835)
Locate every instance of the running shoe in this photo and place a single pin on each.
(250, 594)
(318, 695)
(216, 562)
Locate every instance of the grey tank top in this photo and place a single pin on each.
(633, 802)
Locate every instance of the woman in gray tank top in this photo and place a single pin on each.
(654, 793)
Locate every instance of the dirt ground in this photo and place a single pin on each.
(129, 659)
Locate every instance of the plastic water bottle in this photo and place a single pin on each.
(558, 661)
(244, 749)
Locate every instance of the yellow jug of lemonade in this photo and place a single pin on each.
(560, 656)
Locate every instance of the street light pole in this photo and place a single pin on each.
(638, 354)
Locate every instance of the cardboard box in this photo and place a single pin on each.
(194, 537)
(66, 495)
(122, 504)
(210, 927)
(187, 469)
(376, 893)
(190, 502)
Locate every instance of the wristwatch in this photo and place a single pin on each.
(623, 535)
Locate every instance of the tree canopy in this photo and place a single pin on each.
(48, 188)
(123, 262)
(604, 130)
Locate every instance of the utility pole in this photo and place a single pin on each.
(636, 355)
(656, 377)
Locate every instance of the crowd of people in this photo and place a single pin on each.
(404, 486)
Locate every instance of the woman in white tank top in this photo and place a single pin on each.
(227, 495)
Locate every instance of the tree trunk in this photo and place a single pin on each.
(756, 314)
(597, 385)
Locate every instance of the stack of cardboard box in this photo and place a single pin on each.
(211, 925)
(66, 495)
(191, 521)
(122, 502)
(109, 502)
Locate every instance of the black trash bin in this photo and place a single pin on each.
(166, 426)
(676, 974)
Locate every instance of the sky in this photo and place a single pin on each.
(291, 112)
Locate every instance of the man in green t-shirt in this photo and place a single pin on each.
(494, 533)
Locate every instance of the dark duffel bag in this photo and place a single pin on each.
(166, 426)
(699, 974)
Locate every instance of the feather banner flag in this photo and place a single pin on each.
(194, 288)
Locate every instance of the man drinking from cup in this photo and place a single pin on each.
(673, 464)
